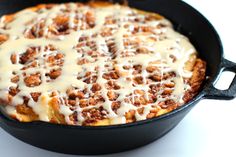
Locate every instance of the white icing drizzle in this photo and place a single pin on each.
(167, 43)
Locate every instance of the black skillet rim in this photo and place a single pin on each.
(197, 98)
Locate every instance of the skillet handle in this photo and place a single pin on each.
(212, 93)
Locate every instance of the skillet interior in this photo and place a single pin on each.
(123, 137)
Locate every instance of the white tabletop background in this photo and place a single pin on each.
(208, 130)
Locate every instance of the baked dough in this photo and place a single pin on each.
(94, 64)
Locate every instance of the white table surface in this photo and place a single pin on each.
(208, 130)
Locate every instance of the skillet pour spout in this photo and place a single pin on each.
(116, 138)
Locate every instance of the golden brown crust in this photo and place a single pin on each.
(55, 115)
(25, 113)
(199, 72)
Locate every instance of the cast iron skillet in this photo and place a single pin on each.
(116, 138)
